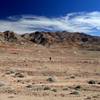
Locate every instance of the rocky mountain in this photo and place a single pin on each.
(66, 39)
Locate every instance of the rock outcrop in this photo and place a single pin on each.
(67, 39)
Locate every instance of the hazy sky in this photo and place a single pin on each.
(24, 16)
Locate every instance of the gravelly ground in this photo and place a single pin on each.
(40, 73)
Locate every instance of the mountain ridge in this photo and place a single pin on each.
(68, 39)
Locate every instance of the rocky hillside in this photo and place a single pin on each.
(66, 39)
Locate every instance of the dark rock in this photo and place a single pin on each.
(10, 36)
(20, 75)
(91, 82)
(73, 77)
(29, 86)
(38, 38)
(99, 83)
(77, 87)
(50, 79)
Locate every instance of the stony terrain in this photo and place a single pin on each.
(45, 67)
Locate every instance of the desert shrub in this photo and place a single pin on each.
(46, 88)
(54, 90)
(75, 93)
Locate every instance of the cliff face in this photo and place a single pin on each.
(68, 39)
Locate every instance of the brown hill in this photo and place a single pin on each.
(65, 39)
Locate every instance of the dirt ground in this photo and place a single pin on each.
(35, 72)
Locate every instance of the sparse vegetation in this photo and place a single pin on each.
(65, 89)
(46, 88)
(54, 90)
(54, 71)
(75, 93)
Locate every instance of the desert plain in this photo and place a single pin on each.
(35, 72)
